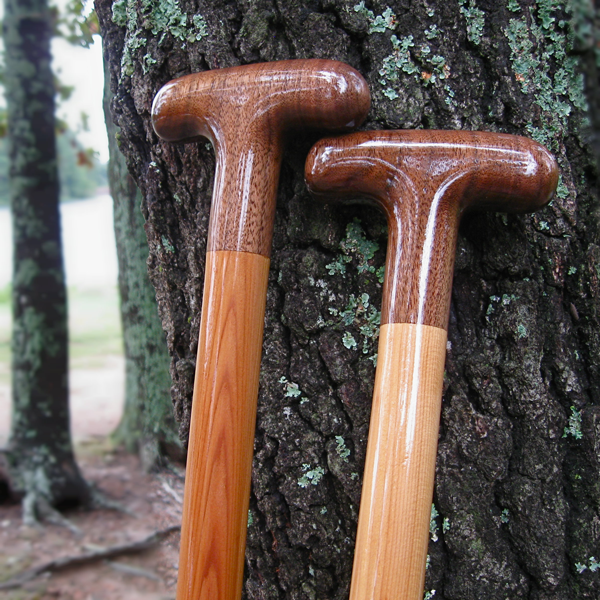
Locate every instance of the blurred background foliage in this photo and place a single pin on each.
(80, 171)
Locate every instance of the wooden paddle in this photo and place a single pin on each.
(424, 181)
(245, 112)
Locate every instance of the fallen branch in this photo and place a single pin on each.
(65, 562)
(130, 570)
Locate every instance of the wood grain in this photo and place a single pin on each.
(395, 509)
(425, 181)
(217, 490)
(246, 111)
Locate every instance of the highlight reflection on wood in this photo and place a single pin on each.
(211, 562)
(425, 181)
(395, 509)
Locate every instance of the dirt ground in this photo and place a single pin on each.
(96, 381)
(155, 500)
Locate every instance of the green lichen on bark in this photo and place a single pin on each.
(147, 425)
(161, 18)
(542, 44)
(475, 19)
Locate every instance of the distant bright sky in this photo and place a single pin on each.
(82, 68)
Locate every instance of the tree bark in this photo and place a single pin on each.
(147, 426)
(42, 463)
(516, 493)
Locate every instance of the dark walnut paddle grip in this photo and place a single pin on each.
(424, 181)
(246, 112)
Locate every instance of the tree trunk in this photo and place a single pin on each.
(516, 498)
(41, 457)
(147, 425)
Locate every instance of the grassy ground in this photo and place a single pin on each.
(94, 328)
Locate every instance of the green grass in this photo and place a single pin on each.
(94, 328)
(94, 323)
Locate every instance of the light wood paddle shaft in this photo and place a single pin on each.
(424, 181)
(245, 112)
(222, 427)
(395, 506)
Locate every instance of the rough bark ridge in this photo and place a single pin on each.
(516, 501)
(40, 454)
(147, 426)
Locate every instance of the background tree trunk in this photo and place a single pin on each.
(517, 490)
(42, 463)
(147, 425)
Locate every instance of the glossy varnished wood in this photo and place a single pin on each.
(424, 181)
(395, 509)
(245, 112)
(215, 513)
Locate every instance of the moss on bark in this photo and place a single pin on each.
(147, 425)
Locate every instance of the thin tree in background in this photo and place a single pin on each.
(40, 454)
